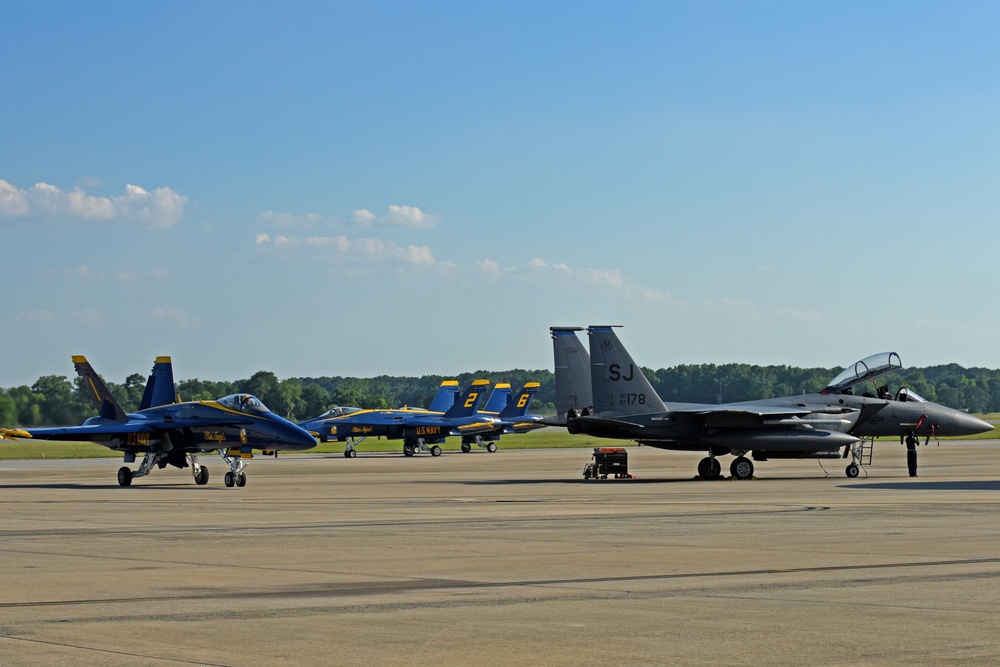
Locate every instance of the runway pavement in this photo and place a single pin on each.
(504, 559)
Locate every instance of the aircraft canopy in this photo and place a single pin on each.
(338, 411)
(243, 403)
(864, 370)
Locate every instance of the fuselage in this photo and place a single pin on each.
(191, 426)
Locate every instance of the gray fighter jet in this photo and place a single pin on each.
(621, 403)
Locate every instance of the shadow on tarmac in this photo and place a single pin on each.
(913, 485)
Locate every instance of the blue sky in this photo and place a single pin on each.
(401, 188)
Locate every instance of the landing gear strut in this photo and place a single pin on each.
(468, 441)
(237, 462)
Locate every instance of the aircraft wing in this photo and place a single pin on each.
(623, 429)
(743, 416)
(109, 427)
(82, 433)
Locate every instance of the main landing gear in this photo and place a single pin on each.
(478, 441)
(236, 459)
(411, 447)
(710, 468)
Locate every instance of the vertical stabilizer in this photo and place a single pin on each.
(572, 371)
(619, 386)
(518, 407)
(499, 398)
(445, 396)
(160, 385)
(97, 391)
(468, 402)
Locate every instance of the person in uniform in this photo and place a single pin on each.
(911, 454)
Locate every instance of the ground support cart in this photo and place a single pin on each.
(608, 461)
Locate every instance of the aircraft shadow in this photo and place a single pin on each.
(95, 487)
(592, 482)
(970, 485)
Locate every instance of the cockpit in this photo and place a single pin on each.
(243, 403)
(867, 369)
(338, 411)
(908, 395)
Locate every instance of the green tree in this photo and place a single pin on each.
(8, 410)
(315, 401)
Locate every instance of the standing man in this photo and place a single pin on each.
(911, 454)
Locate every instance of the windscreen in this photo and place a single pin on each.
(243, 403)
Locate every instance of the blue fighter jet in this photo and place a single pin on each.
(167, 432)
(512, 416)
(420, 430)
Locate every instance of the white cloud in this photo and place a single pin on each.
(13, 202)
(134, 277)
(171, 316)
(160, 208)
(609, 278)
(83, 272)
(280, 219)
(86, 317)
(409, 216)
(363, 217)
(371, 249)
(489, 266)
(40, 316)
(399, 216)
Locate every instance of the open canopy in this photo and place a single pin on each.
(864, 370)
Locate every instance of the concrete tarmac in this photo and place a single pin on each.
(504, 559)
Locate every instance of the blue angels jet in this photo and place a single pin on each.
(420, 430)
(511, 413)
(621, 403)
(167, 432)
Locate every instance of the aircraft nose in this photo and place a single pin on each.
(966, 424)
(296, 437)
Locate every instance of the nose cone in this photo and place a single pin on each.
(966, 424)
(292, 436)
(302, 438)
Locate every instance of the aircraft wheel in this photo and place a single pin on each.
(741, 468)
(230, 479)
(491, 447)
(466, 447)
(241, 479)
(709, 468)
(435, 451)
(350, 453)
(124, 476)
(201, 479)
(407, 450)
(852, 470)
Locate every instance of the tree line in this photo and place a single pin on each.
(55, 400)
